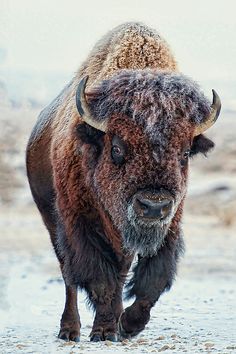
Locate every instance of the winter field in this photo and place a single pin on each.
(41, 46)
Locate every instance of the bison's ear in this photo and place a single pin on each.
(201, 144)
(89, 135)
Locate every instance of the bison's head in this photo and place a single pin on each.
(140, 129)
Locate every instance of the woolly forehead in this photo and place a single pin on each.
(151, 99)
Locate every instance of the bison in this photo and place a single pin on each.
(107, 163)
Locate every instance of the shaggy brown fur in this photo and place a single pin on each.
(86, 195)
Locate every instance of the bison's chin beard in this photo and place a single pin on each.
(144, 238)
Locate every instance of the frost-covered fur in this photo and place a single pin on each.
(150, 98)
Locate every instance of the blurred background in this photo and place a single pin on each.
(42, 45)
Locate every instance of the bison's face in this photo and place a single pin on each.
(141, 181)
(138, 169)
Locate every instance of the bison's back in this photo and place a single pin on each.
(47, 116)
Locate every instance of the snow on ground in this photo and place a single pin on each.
(197, 315)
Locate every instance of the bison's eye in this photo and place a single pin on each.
(118, 151)
(185, 157)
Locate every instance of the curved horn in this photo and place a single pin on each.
(83, 107)
(215, 111)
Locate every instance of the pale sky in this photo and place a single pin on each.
(55, 36)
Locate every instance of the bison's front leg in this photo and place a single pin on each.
(70, 320)
(152, 276)
(106, 295)
(104, 325)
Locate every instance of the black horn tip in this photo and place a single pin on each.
(216, 103)
(79, 93)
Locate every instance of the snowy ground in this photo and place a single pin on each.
(197, 315)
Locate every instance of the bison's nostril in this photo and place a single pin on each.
(143, 207)
(166, 207)
(152, 208)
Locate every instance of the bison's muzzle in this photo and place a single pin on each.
(152, 207)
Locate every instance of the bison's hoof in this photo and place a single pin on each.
(111, 337)
(124, 333)
(96, 338)
(67, 335)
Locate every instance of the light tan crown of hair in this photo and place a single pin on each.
(128, 46)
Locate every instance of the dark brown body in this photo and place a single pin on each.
(75, 186)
